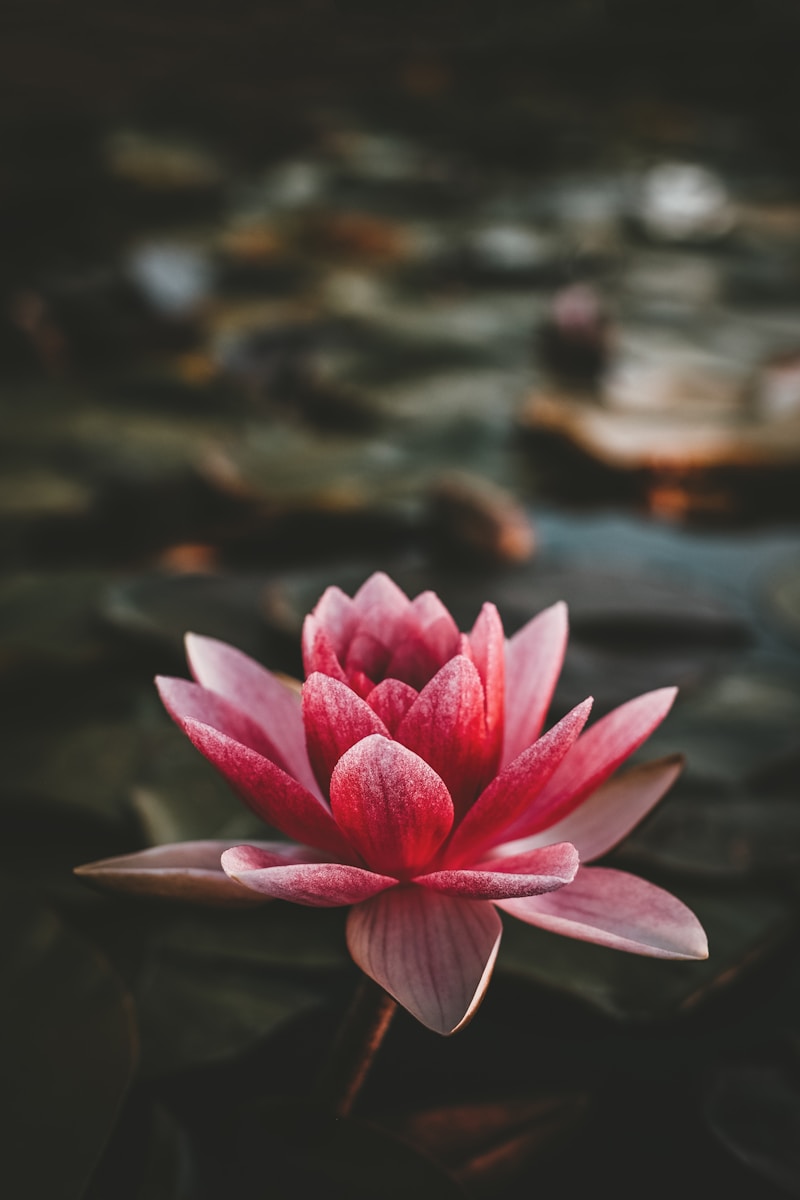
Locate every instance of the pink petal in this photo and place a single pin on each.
(438, 628)
(255, 691)
(335, 612)
(610, 813)
(272, 794)
(524, 875)
(318, 884)
(445, 725)
(319, 653)
(391, 805)
(391, 700)
(335, 719)
(380, 601)
(381, 609)
(487, 642)
(186, 871)
(533, 663)
(593, 758)
(618, 910)
(189, 701)
(516, 788)
(425, 639)
(433, 953)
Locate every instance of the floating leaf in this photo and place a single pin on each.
(753, 1108)
(68, 1056)
(290, 1148)
(742, 926)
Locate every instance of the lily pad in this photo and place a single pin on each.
(753, 1108)
(289, 1148)
(161, 608)
(50, 619)
(195, 1013)
(713, 831)
(743, 927)
(212, 988)
(68, 1056)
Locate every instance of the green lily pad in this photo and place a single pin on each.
(49, 619)
(742, 927)
(753, 1108)
(195, 1013)
(161, 608)
(90, 765)
(289, 1149)
(277, 936)
(68, 1056)
(710, 831)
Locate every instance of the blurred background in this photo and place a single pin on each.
(504, 300)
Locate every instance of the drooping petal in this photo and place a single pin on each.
(610, 813)
(446, 726)
(393, 807)
(487, 643)
(272, 794)
(534, 656)
(593, 758)
(335, 719)
(433, 953)
(391, 700)
(184, 701)
(186, 871)
(515, 789)
(528, 874)
(618, 910)
(314, 883)
(319, 653)
(255, 691)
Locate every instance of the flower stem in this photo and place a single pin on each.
(357, 1041)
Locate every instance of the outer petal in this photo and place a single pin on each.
(184, 871)
(528, 874)
(255, 691)
(446, 726)
(272, 794)
(610, 813)
(533, 663)
(487, 643)
(314, 883)
(515, 788)
(618, 910)
(189, 701)
(433, 953)
(335, 719)
(392, 806)
(593, 758)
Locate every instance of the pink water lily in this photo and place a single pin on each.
(414, 783)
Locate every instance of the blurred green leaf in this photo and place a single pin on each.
(290, 1149)
(742, 926)
(194, 1012)
(68, 1055)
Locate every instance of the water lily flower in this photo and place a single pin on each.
(414, 783)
